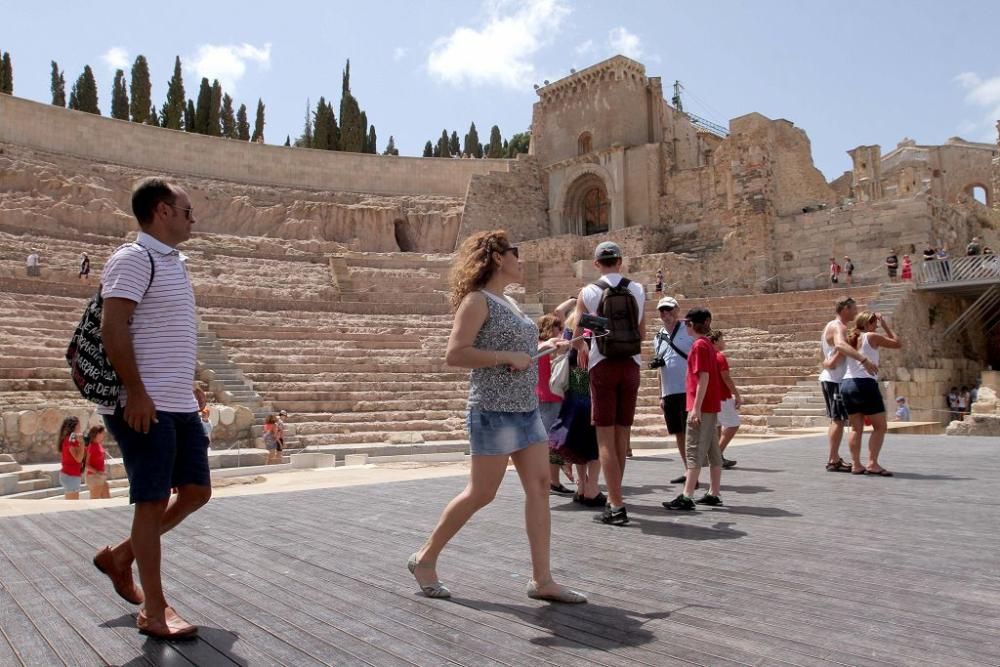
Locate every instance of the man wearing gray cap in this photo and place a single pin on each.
(613, 360)
(670, 352)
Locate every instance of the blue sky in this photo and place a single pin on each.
(849, 72)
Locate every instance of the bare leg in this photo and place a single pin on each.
(875, 441)
(593, 478)
(530, 465)
(188, 499)
(835, 433)
(554, 474)
(484, 479)
(681, 439)
(75, 495)
(623, 442)
(608, 449)
(727, 435)
(854, 443)
(147, 525)
(692, 481)
(715, 480)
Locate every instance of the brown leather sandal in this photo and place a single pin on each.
(121, 578)
(173, 628)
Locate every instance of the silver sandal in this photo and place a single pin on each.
(435, 590)
(564, 595)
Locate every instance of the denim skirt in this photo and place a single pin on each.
(862, 395)
(497, 433)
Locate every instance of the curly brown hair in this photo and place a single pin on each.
(474, 264)
(858, 327)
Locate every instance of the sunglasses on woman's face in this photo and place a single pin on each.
(512, 249)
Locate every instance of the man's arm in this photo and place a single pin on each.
(140, 411)
(845, 348)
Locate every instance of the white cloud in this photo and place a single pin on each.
(116, 58)
(624, 42)
(586, 48)
(500, 51)
(228, 63)
(983, 94)
(399, 53)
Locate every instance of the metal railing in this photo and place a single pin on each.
(976, 269)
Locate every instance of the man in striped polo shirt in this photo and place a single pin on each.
(150, 336)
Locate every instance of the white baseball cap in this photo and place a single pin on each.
(667, 302)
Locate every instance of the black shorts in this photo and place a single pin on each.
(172, 454)
(835, 409)
(862, 396)
(675, 413)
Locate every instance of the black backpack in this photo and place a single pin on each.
(90, 368)
(619, 306)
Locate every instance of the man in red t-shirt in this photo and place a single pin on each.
(704, 392)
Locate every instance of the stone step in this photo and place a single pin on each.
(9, 467)
(798, 421)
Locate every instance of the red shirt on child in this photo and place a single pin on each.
(542, 390)
(725, 394)
(70, 466)
(95, 456)
(702, 359)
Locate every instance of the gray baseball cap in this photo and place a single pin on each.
(607, 250)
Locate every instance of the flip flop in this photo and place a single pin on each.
(860, 472)
(881, 473)
(564, 595)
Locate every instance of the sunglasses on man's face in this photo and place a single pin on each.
(512, 249)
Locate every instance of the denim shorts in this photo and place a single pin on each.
(503, 433)
(862, 395)
(70, 483)
(173, 453)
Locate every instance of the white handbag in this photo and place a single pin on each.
(559, 378)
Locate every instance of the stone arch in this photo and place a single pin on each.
(978, 192)
(404, 235)
(588, 195)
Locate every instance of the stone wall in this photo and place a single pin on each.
(513, 201)
(75, 133)
(30, 435)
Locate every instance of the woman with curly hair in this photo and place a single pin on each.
(860, 389)
(493, 338)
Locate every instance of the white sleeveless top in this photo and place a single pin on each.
(835, 374)
(855, 371)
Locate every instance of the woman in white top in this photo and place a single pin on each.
(860, 389)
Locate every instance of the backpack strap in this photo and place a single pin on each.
(152, 267)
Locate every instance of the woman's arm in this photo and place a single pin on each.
(727, 379)
(888, 340)
(462, 353)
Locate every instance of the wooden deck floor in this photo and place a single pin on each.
(800, 567)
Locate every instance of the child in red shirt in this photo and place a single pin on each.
(704, 400)
(97, 477)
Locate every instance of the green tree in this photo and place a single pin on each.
(58, 86)
(519, 143)
(345, 90)
(322, 126)
(288, 140)
(173, 114)
(140, 91)
(86, 92)
(390, 148)
(242, 125)
(119, 97)
(258, 124)
(151, 118)
(454, 145)
(73, 104)
(203, 107)
(227, 118)
(215, 110)
(363, 122)
(352, 132)
(163, 115)
(428, 149)
(372, 146)
(443, 146)
(495, 148)
(305, 140)
(189, 116)
(471, 145)
(6, 74)
(437, 150)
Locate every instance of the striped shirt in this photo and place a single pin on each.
(163, 327)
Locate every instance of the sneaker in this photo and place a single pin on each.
(600, 500)
(681, 503)
(679, 480)
(559, 490)
(728, 463)
(618, 517)
(709, 499)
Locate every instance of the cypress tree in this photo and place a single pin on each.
(151, 118)
(163, 115)
(258, 124)
(495, 149)
(288, 140)
(321, 132)
(372, 139)
(242, 126)
(189, 116)
(73, 104)
(86, 92)
(428, 149)
(140, 90)
(443, 148)
(227, 117)
(363, 122)
(58, 86)
(174, 106)
(345, 91)
(506, 148)
(119, 97)
(390, 148)
(352, 132)
(306, 140)
(6, 74)
(471, 145)
(215, 110)
(203, 107)
(454, 145)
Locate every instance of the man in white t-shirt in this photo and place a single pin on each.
(151, 338)
(614, 362)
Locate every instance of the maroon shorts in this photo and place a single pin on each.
(614, 387)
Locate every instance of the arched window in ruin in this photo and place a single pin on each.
(595, 210)
(584, 144)
(979, 193)
(404, 235)
(587, 208)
